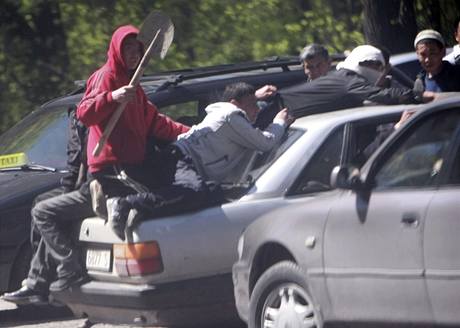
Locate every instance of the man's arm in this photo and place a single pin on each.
(162, 126)
(249, 137)
(361, 88)
(97, 103)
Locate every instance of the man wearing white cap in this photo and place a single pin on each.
(350, 85)
(437, 75)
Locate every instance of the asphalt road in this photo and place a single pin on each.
(50, 317)
(40, 317)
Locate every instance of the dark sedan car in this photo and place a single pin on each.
(382, 249)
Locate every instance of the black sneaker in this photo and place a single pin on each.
(118, 210)
(26, 296)
(67, 282)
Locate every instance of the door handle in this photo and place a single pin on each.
(410, 220)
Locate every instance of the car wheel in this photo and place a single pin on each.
(281, 299)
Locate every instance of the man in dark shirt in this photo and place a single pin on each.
(353, 83)
(437, 75)
(316, 63)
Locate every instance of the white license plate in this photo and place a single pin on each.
(98, 259)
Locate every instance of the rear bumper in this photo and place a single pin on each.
(199, 300)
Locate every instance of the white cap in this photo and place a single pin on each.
(429, 35)
(362, 54)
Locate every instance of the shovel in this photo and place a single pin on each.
(156, 34)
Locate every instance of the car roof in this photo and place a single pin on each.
(445, 99)
(282, 71)
(206, 83)
(151, 82)
(348, 115)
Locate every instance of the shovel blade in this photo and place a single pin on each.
(155, 21)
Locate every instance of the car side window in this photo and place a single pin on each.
(262, 160)
(355, 150)
(186, 112)
(419, 158)
(367, 137)
(315, 176)
(454, 176)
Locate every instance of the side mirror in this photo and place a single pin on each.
(344, 177)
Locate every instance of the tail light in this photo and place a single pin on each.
(137, 259)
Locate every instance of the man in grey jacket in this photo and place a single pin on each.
(206, 153)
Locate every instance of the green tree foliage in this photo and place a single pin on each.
(33, 56)
(395, 23)
(48, 44)
(438, 15)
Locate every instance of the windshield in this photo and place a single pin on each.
(263, 160)
(255, 162)
(40, 138)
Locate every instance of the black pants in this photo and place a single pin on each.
(182, 188)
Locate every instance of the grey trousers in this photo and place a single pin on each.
(57, 255)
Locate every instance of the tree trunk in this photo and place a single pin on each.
(390, 23)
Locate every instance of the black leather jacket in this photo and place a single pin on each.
(339, 90)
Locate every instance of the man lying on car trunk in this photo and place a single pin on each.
(208, 152)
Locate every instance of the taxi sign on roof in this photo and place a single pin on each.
(12, 160)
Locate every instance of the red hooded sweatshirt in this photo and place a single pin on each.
(140, 118)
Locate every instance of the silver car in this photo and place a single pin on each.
(178, 269)
(381, 249)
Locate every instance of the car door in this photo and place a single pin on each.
(442, 242)
(373, 242)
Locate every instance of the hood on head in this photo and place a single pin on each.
(221, 107)
(361, 54)
(114, 55)
(224, 108)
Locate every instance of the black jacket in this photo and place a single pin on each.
(338, 90)
(448, 79)
(76, 153)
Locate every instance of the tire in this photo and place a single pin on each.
(281, 299)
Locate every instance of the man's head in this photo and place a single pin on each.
(315, 60)
(124, 51)
(242, 95)
(430, 48)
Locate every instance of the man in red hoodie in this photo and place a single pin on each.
(125, 149)
(107, 88)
